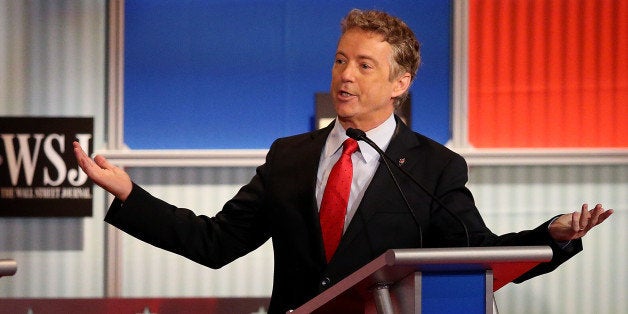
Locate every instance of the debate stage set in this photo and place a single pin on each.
(448, 280)
(188, 96)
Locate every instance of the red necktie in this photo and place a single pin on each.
(336, 197)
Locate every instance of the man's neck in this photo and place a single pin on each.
(366, 125)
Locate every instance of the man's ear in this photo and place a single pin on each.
(402, 83)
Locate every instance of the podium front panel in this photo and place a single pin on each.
(447, 292)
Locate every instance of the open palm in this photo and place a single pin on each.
(111, 178)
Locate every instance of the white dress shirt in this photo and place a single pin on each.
(365, 162)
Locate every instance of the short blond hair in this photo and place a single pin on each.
(406, 56)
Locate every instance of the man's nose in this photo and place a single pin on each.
(347, 73)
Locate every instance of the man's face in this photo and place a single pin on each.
(360, 87)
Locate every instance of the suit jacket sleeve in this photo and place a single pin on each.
(213, 242)
(457, 196)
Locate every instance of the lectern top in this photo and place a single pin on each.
(8, 267)
(506, 263)
(467, 255)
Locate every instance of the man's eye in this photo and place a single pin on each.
(366, 66)
(339, 61)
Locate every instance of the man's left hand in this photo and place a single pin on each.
(575, 225)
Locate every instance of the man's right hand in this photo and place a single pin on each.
(111, 178)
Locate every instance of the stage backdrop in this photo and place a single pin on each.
(548, 74)
(238, 74)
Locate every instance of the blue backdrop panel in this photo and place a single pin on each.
(238, 74)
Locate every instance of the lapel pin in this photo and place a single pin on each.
(402, 161)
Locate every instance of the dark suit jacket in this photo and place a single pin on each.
(279, 203)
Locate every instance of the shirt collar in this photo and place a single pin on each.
(381, 135)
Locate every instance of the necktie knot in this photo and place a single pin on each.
(349, 146)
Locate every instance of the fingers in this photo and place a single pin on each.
(605, 215)
(104, 174)
(575, 221)
(81, 157)
(595, 215)
(588, 219)
(102, 162)
(575, 225)
(584, 217)
(599, 215)
(86, 162)
(78, 152)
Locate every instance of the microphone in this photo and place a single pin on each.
(360, 135)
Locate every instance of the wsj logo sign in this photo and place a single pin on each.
(39, 175)
(23, 159)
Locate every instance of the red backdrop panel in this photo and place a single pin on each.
(548, 73)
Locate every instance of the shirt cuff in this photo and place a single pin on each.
(562, 244)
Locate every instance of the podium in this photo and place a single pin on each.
(439, 280)
(8, 267)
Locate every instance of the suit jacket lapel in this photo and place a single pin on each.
(403, 141)
(310, 159)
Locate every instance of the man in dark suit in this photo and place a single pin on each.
(376, 61)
